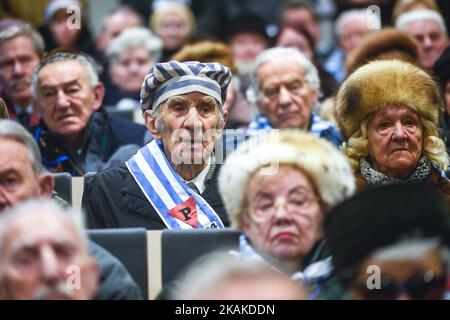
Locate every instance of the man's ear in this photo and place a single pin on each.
(46, 185)
(152, 126)
(99, 94)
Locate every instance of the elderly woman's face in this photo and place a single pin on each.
(395, 141)
(130, 69)
(284, 217)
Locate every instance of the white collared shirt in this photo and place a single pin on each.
(199, 180)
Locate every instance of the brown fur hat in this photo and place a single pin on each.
(385, 44)
(379, 83)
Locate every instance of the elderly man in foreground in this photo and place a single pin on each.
(170, 182)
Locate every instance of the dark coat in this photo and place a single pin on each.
(434, 178)
(115, 281)
(113, 199)
(104, 135)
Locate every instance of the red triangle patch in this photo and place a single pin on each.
(186, 212)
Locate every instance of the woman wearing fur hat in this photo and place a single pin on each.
(389, 113)
(277, 188)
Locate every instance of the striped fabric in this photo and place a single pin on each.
(319, 127)
(164, 189)
(175, 78)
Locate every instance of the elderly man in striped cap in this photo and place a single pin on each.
(172, 181)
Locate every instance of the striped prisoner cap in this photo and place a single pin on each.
(174, 78)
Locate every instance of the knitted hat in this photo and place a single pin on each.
(329, 169)
(174, 78)
(380, 83)
(376, 218)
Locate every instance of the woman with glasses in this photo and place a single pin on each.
(276, 188)
(392, 242)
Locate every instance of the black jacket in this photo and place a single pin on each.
(102, 139)
(115, 281)
(113, 199)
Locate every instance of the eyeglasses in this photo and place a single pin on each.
(295, 204)
(417, 288)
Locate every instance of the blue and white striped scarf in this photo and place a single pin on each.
(319, 127)
(164, 189)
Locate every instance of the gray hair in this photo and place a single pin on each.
(13, 130)
(417, 15)
(24, 30)
(346, 16)
(36, 206)
(88, 64)
(134, 38)
(210, 271)
(310, 71)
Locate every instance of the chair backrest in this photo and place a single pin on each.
(182, 247)
(129, 245)
(63, 186)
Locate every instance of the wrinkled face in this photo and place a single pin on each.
(115, 24)
(286, 98)
(61, 33)
(424, 278)
(284, 217)
(18, 180)
(395, 140)
(352, 33)
(18, 57)
(130, 69)
(66, 98)
(291, 38)
(173, 30)
(432, 40)
(45, 263)
(246, 46)
(190, 126)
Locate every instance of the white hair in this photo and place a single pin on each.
(138, 37)
(417, 15)
(37, 206)
(349, 15)
(277, 53)
(212, 270)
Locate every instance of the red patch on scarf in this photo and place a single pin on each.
(186, 212)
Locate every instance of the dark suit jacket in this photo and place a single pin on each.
(113, 199)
